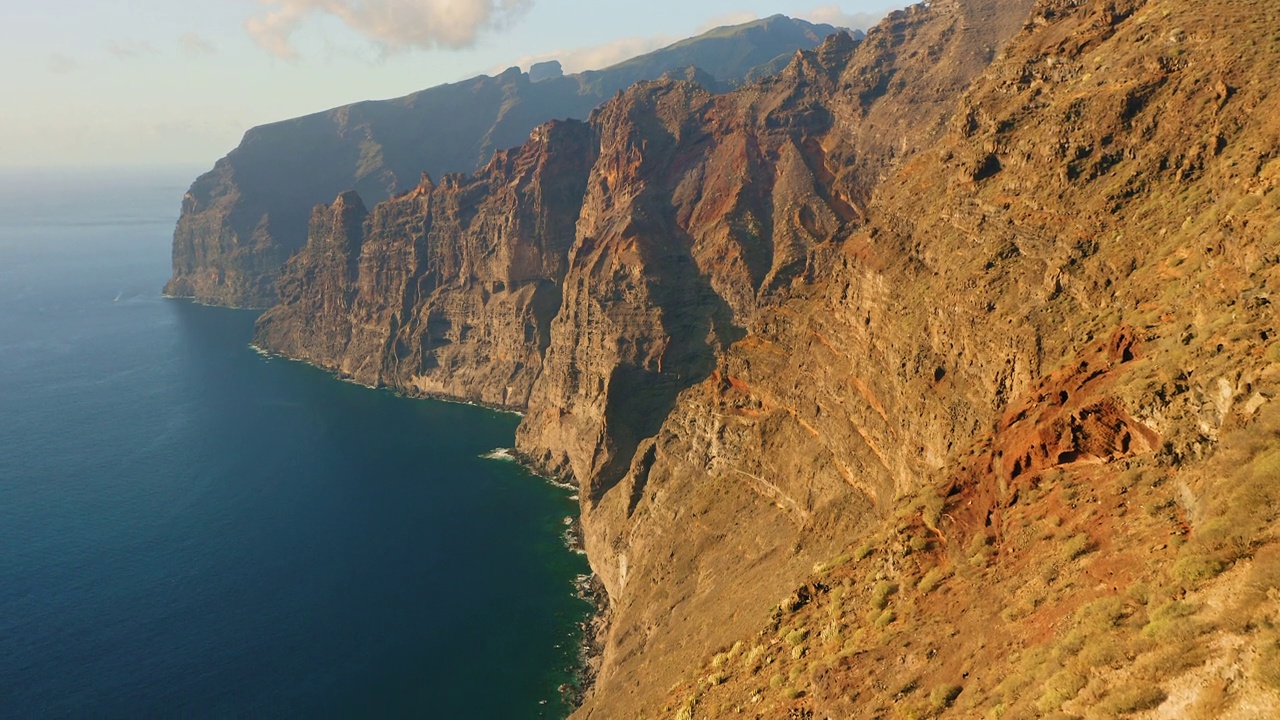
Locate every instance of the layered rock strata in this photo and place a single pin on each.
(633, 312)
(242, 220)
(993, 240)
(447, 290)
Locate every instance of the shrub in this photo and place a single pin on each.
(1172, 622)
(880, 594)
(981, 558)
(686, 710)
(1265, 575)
(1267, 669)
(943, 697)
(1250, 500)
(931, 581)
(1076, 546)
(790, 604)
(831, 564)
(1170, 659)
(885, 618)
(1139, 593)
(1101, 614)
(1194, 568)
(1070, 645)
(931, 509)
(1060, 688)
(832, 632)
(1103, 651)
(1050, 572)
(1131, 477)
(1131, 698)
(1273, 352)
(752, 657)
(1022, 608)
(797, 636)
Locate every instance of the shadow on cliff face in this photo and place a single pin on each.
(698, 325)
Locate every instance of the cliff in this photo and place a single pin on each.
(447, 290)
(931, 375)
(242, 220)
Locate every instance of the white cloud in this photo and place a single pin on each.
(835, 15)
(394, 25)
(196, 45)
(130, 49)
(60, 64)
(595, 57)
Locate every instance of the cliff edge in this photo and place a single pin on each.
(245, 218)
(932, 375)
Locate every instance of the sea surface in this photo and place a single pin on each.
(189, 529)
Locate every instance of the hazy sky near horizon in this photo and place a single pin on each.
(146, 82)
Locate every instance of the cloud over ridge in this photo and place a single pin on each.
(596, 57)
(395, 25)
(835, 15)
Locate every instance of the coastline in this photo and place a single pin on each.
(201, 303)
(589, 588)
(188, 355)
(592, 631)
(437, 397)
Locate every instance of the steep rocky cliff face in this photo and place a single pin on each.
(1053, 341)
(931, 375)
(447, 290)
(243, 219)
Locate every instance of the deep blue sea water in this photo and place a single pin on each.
(189, 529)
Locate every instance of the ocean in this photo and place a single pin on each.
(190, 529)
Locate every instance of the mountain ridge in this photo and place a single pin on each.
(243, 219)
(930, 376)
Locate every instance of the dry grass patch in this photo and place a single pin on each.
(1131, 698)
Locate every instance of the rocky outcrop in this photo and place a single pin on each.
(324, 291)
(993, 244)
(243, 219)
(447, 290)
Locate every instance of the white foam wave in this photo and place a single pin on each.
(500, 454)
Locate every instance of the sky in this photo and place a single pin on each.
(91, 83)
